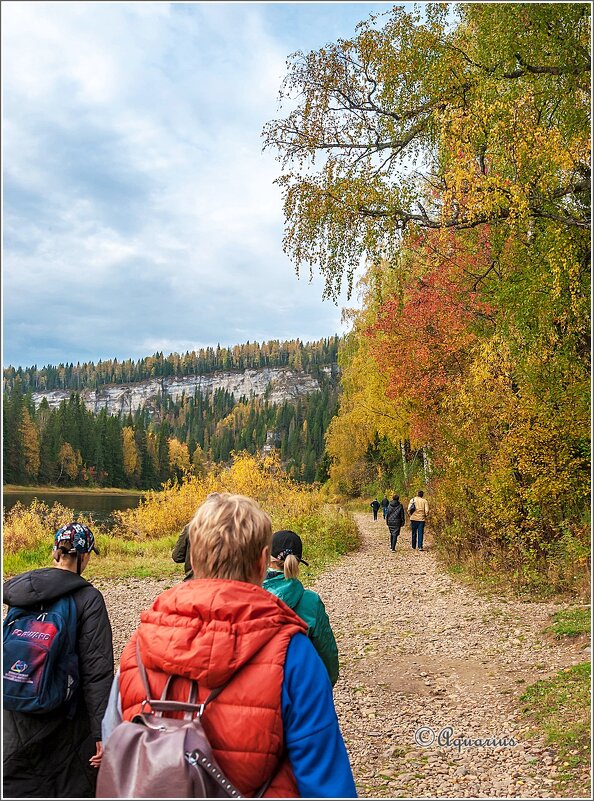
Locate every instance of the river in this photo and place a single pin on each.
(99, 504)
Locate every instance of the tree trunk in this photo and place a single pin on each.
(426, 466)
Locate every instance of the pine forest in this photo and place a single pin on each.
(71, 446)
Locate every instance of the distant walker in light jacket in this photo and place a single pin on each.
(395, 520)
(418, 518)
(281, 580)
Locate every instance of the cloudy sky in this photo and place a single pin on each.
(139, 212)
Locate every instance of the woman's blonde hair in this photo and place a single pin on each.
(227, 535)
(290, 565)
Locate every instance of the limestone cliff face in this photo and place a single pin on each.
(285, 384)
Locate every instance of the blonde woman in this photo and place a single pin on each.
(274, 719)
(282, 580)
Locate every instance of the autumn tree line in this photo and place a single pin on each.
(448, 147)
(71, 446)
(308, 356)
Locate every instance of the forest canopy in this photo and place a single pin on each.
(292, 353)
(448, 150)
(445, 117)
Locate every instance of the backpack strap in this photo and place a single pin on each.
(189, 707)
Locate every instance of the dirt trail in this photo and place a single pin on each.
(417, 649)
(420, 650)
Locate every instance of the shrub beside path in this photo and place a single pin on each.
(418, 649)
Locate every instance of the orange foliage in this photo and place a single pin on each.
(424, 343)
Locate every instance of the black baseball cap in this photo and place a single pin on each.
(285, 543)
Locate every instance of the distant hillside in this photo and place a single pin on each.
(276, 384)
(142, 433)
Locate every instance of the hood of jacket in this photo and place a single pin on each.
(206, 629)
(393, 506)
(41, 586)
(288, 590)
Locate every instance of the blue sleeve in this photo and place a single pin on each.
(314, 743)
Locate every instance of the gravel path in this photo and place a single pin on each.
(420, 650)
(417, 649)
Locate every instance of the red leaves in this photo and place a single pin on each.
(424, 342)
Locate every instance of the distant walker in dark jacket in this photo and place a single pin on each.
(56, 755)
(375, 506)
(395, 520)
(181, 553)
(281, 580)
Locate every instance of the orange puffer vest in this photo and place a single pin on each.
(208, 630)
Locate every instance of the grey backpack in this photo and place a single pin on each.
(154, 756)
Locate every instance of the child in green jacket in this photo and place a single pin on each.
(281, 580)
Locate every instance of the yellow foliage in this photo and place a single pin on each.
(525, 468)
(260, 477)
(142, 536)
(31, 443)
(29, 527)
(198, 462)
(365, 408)
(70, 461)
(130, 450)
(179, 455)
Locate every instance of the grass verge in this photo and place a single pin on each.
(476, 571)
(560, 707)
(572, 622)
(134, 559)
(359, 505)
(119, 559)
(151, 558)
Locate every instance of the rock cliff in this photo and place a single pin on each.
(282, 383)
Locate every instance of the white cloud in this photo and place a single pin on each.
(135, 189)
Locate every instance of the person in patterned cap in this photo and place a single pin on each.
(74, 540)
(57, 754)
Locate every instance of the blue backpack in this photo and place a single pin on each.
(39, 656)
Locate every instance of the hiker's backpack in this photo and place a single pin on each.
(39, 656)
(154, 756)
(412, 507)
(393, 516)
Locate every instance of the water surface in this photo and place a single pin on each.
(98, 504)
